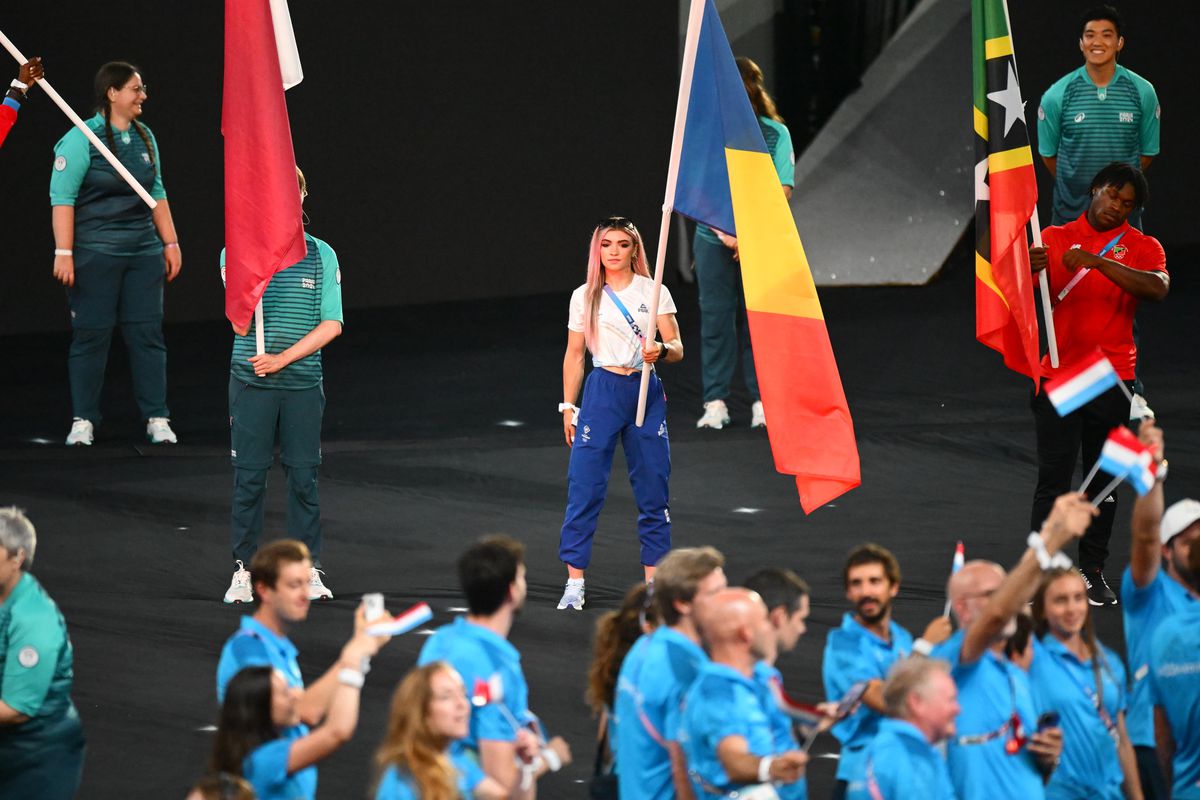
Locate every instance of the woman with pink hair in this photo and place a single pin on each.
(608, 316)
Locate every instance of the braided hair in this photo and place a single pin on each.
(114, 75)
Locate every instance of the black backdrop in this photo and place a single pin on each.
(459, 149)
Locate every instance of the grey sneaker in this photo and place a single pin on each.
(82, 433)
(317, 589)
(573, 596)
(716, 415)
(158, 431)
(758, 419)
(239, 588)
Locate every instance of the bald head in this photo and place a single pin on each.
(970, 588)
(735, 623)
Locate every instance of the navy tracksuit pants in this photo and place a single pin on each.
(607, 413)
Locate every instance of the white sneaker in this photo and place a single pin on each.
(82, 432)
(239, 588)
(158, 431)
(757, 418)
(317, 589)
(716, 415)
(1140, 409)
(573, 596)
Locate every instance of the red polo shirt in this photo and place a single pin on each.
(1096, 312)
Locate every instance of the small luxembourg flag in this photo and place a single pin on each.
(1081, 383)
(486, 692)
(403, 622)
(1125, 457)
(960, 557)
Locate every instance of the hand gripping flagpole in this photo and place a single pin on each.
(695, 16)
(79, 123)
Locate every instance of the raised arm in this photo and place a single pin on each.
(1145, 552)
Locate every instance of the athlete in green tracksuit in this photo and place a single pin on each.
(112, 253)
(279, 396)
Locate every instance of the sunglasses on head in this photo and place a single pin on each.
(617, 222)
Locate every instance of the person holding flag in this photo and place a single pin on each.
(1093, 311)
(608, 315)
(278, 393)
(30, 72)
(719, 275)
(125, 251)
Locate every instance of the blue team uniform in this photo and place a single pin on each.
(854, 654)
(990, 691)
(1090, 767)
(650, 691)
(722, 702)
(1143, 610)
(254, 645)
(479, 654)
(902, 764)
(397, 785)
(768, 680)
(1175, 687)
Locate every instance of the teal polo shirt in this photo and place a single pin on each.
(1090, 766)
(110, 218)
(479, 655)
(721, 702)
(266, 770)
(990, 690)
(397, 785)
(854, 654)
(902, 764)
(36, 674)
(255, 645)
(1143, 610)
(1085, 127)
(297, 299)
(1175, 687)
(649, 698)
(768, 681)
(779, 145)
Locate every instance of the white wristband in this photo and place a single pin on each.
(62, 251)
(564, 406)
(1045, 560)
(351, 677)
(923, 647)
(764, 769)
(553, 762)
(16, 84)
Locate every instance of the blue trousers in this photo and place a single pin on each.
(722, 313)
(607, 413)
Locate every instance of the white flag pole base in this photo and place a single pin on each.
(259, 334)
(82, 126)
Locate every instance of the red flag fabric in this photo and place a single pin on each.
(263, 228)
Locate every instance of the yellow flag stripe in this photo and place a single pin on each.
(775, 272)
(1010, 159)
(981, 124)
(983, 271)
(998, 48)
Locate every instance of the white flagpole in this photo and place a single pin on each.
(1088, 480)
(259, 334)
(1108, 489)
(79, 123)
(695, 16)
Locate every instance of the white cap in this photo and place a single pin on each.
(1178, 518)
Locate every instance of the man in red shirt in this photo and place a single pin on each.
(11, 103)
(1125, 266)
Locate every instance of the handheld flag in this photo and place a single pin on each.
(486, 692)
(1125, 458)
(957, 564)
(404, 622)
(263, 228)
(1005, 197)
(1082, 383)
(727, 180)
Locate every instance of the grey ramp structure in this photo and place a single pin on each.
(886, 189)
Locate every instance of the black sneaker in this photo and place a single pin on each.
(1097, 588)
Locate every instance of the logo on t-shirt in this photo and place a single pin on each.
(1119, 251)
(1126, 116)
(642, 309)
(60, 163)
(1041, 113)
(308, 283)
(28, 657)
(1080, 116)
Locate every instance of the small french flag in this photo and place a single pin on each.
(1083, 382)
(486, 692)
(1125, 457)
(403, 622)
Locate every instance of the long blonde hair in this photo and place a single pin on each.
(410, 744)
(595, 272)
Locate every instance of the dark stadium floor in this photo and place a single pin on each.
(134, 541)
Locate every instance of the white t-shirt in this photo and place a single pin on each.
(616, 343)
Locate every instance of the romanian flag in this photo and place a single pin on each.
(1005, 195)
(727, 180)
(263, 228)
